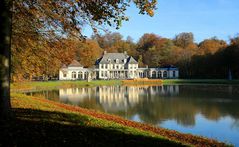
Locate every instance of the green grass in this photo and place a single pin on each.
(37, 123)
(26, 86)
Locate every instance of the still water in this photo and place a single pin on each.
(206, 110)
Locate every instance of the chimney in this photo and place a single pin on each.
(104, 52)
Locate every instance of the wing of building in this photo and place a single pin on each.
(115, 66)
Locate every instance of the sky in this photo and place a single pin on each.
(204, 18)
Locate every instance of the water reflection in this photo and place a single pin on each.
(115, 98)
(187, 108)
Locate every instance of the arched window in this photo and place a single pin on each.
(80, 75)
(165, 74)
(154, 74)
(73, 75)
(86, 75)
(174, 74)
(141, 74)
(159, 74)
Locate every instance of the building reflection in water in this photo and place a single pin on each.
(116, 98)
(76, 95)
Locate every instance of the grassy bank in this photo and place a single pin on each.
(46, 123)
(29, 86)
(40, 122)
(25, 86)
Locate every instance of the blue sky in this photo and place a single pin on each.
(204, 18)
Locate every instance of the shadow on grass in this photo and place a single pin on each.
(43, 128)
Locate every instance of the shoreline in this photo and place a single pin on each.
(175, 136)
(42, 85)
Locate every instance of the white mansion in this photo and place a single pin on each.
(115, 66)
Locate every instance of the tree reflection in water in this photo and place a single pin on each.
(181, 107)
(154, 104)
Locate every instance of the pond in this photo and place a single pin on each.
(206, 110)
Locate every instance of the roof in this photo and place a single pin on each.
(131, 60)
(168, 66)
(75, 63)
(114, 58)
(63, 66)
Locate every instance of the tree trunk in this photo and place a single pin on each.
(5, 48)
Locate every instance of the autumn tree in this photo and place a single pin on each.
(189, 48)
(183, 40)
(114, 42)
(231, 56)
(147, 41)
(54, 18)
(88, 52)
(5, 43)
(211, 46)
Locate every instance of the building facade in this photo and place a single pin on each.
(75, 71)
(115, 66)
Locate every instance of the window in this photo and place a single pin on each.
(64, 75)
(86, 75)
(102, 66)
(102, 74)
(154, 74)
(159, 74)
(80, 75)
(174, 73)
(73, 75)
(117, 60)
(165, 74)
(106, 73)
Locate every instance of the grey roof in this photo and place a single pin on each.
(131, 60)
(168, 66)
(112, 57)
(75, 63)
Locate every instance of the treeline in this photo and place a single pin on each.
(33, 56)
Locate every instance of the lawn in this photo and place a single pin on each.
(26, 86)
(38, 85)
(40, 122)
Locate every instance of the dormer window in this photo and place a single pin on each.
(109, 60)
(117, 60)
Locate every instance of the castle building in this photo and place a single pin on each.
(115, 66)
